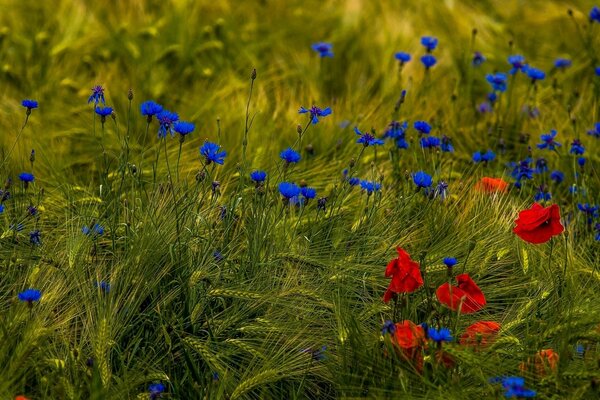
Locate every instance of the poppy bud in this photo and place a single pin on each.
(32, 156)
(299, 129)
(253, 75)
(130, 94)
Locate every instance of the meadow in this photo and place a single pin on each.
(299, 199)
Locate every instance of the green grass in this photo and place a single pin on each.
(291, 279)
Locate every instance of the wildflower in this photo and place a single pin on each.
(315, 113)
(590, 210)
(596, 131)
(29, 105)
(96, 230)
(354, 181)
(97, 95)
(103, 286)
(183, 128)
(492, 185)
(156, 390)
(370, 186)
(1, 208)
(478, 58)
(211, 153)
(422, 179)
(497, 81)
(388, 328)
(290, 156)
(542, 194)
(441, 190)
(429, 142)
(485, 107)
(318, 354)
(446, 145)
(428, 61)
(546, 358)
(422, 127)
(150, 109)
(396, 130)
(35, 237)
(595, 14)
(518, 63)
(562, 63)
(402, 57)
(557, 176)
(323, 48)
(408, 335)
(450, 262)
(308, 192)
(465, 298)
(538, 224)
(367, 139)
(597, 229)
(429, 42)
(30, 295)
(26, 177)
(166, 120)
(577, 147)
(522, 170)
(218, 256)
(258, 176)
(480, 333)
(514, 386)
(534, 74)
(439, 336)
(581, 161)
(405, 274)
(289, 190)
(21, 397)
(541, 165)
(486, 157)
(597, 71)
(103, 112)
(548, 141)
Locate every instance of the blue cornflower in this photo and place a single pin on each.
(166, 120)
(450, 262)
(597, 71)
(318, 354)
(514, 386)
(367, 139)
(402, 57)
(97, 95)
(595, 14)
(96, 229)
(446, 145)
(401, 143)
(290, 156)
(396, 130)
(429, 42)
(590, 210)
(518, 63)
(428, 61)
(183, 127)
(581, 161)
(522, 170)
(103, 112)
(211, 153)
(26, 177)
(218, 256)
(439, 336)
(497, 81)
(1, 208)
(323, 48)
(35, 237)
(103, 286)
(478, 59)
(562, 63)
(308, 192)
(548, 141)
(492, 97)
(441, 190)
(315, 113)
(541, 165)
(485, 107)
(557, 176)
(156, 390)
(258, 176)
(289, 190)
(29, 104)
(535, 74)
(430, 142)
(354, 181)
(149, 109)
(422, 127)
(422, 179)
(597, 228)
(486, 157)
(370, 186)
(30, 295)
(389, 328)
(542, 194)
(596, 131)
(577, 147)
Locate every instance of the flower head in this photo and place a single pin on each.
(323, 48)
(478, 59)
(557, 176)
(150, 108)
(402, 57)
(370, 186)
(538, 224)
(405, 274)
(396, 130)
(497, 81)
(95, 230)
(480, 333)
(577, 147)
(315, 112)
(428, 61)
(562, 63)
(514, 386)
(367, 139)
(30, 295)
(439, 336)
(596, 131)
(446, 145)
(422, 127)
(534, 74)
(429, 42)
(166, 119)
(518, 63)
(183, 127)
(26, 177)
(484, 157)
(258, 176)
(29, 104)
(450, 262)
(156, 390)
(430, 142)
(388, 328)
(289, 190)
(103, 111)
(492, 185)
(422, 179)
(211, 152)
(308, 192)
(548, 141)
(595, 14)
(97, 95)
(465, 298)
(590, 211)
(35, 238)
(290, 156)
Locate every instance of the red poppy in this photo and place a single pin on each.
(538, 224)
(405, 274)
(480, 333)
(492, 185)
(410, 339)
(543, 360)
(466, 295)
(21, 397)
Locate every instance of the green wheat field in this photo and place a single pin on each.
(137, 261)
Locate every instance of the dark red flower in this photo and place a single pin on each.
(466, 295)
(405, 274)
(410, 339)
(480, 333)
(539, 224)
